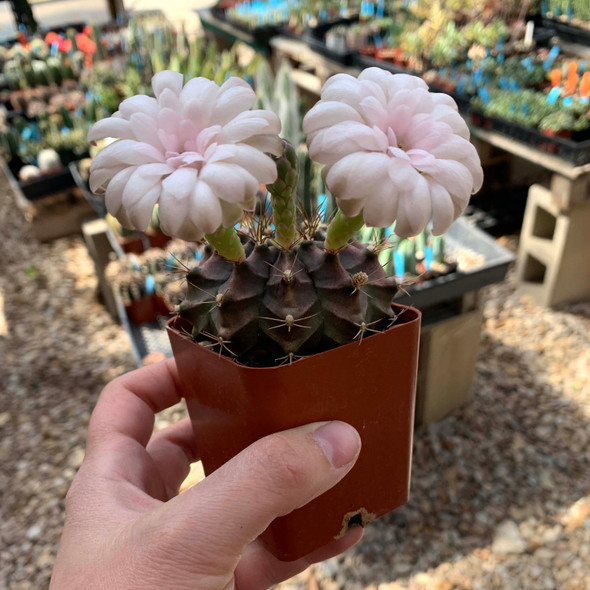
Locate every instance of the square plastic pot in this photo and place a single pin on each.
(370, 385)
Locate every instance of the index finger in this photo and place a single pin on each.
(127, 406)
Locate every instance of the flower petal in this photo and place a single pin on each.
(358, 175)
(126, 151)
(232, 102)
(167, 80)
(256, 163)
(205, 210)
(269, 144)
(327, 113)
(114, 194)
(415, 208)
(443, 210)
(250, 123)
(109, 127)
(231, 213)
(229, 182)
(145, 129)
(141, 193)
(139, 104)
(329, 145)
(175, 204)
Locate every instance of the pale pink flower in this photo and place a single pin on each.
(393, 150)
(196, 150)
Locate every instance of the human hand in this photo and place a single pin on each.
(127, 529)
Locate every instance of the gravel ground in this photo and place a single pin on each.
(501, 488)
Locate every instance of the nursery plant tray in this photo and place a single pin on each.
(47, 184)
(346, 58)
(260, 35)
(575, 152)
(145, 338)
(567, 31)
(461, 236)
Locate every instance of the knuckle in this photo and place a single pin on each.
(284, 464)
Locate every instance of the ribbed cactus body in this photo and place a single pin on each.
(279, 304)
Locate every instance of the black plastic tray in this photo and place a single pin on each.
(319, 31)
(575, 152)
(144, 338)
(567, 31)
(346, 58)
(454, 285)
(260, 35)
(47, 184)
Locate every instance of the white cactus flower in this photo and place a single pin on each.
(197, 151)
(393, 151)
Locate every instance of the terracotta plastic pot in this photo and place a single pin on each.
(158, 239)
(370, 385)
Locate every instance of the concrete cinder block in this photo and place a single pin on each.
(448, 353)
(554, 256)
(95, 234)
(569, 192)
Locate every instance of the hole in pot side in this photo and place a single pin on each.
(353, 519)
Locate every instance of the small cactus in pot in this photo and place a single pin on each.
(278, 288)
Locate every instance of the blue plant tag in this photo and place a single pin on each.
(323, 206)
(199, 255)
(484, 95)
(428, 257)
(551, 58)
(568, 101)
(150, 285)
(54, 49)
(170, 262)
(399, 264)
(27, 133)
(553, 95)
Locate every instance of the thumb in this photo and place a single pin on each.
(219, 516)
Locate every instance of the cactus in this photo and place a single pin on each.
(291, 295)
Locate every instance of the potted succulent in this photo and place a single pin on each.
(283, 323)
